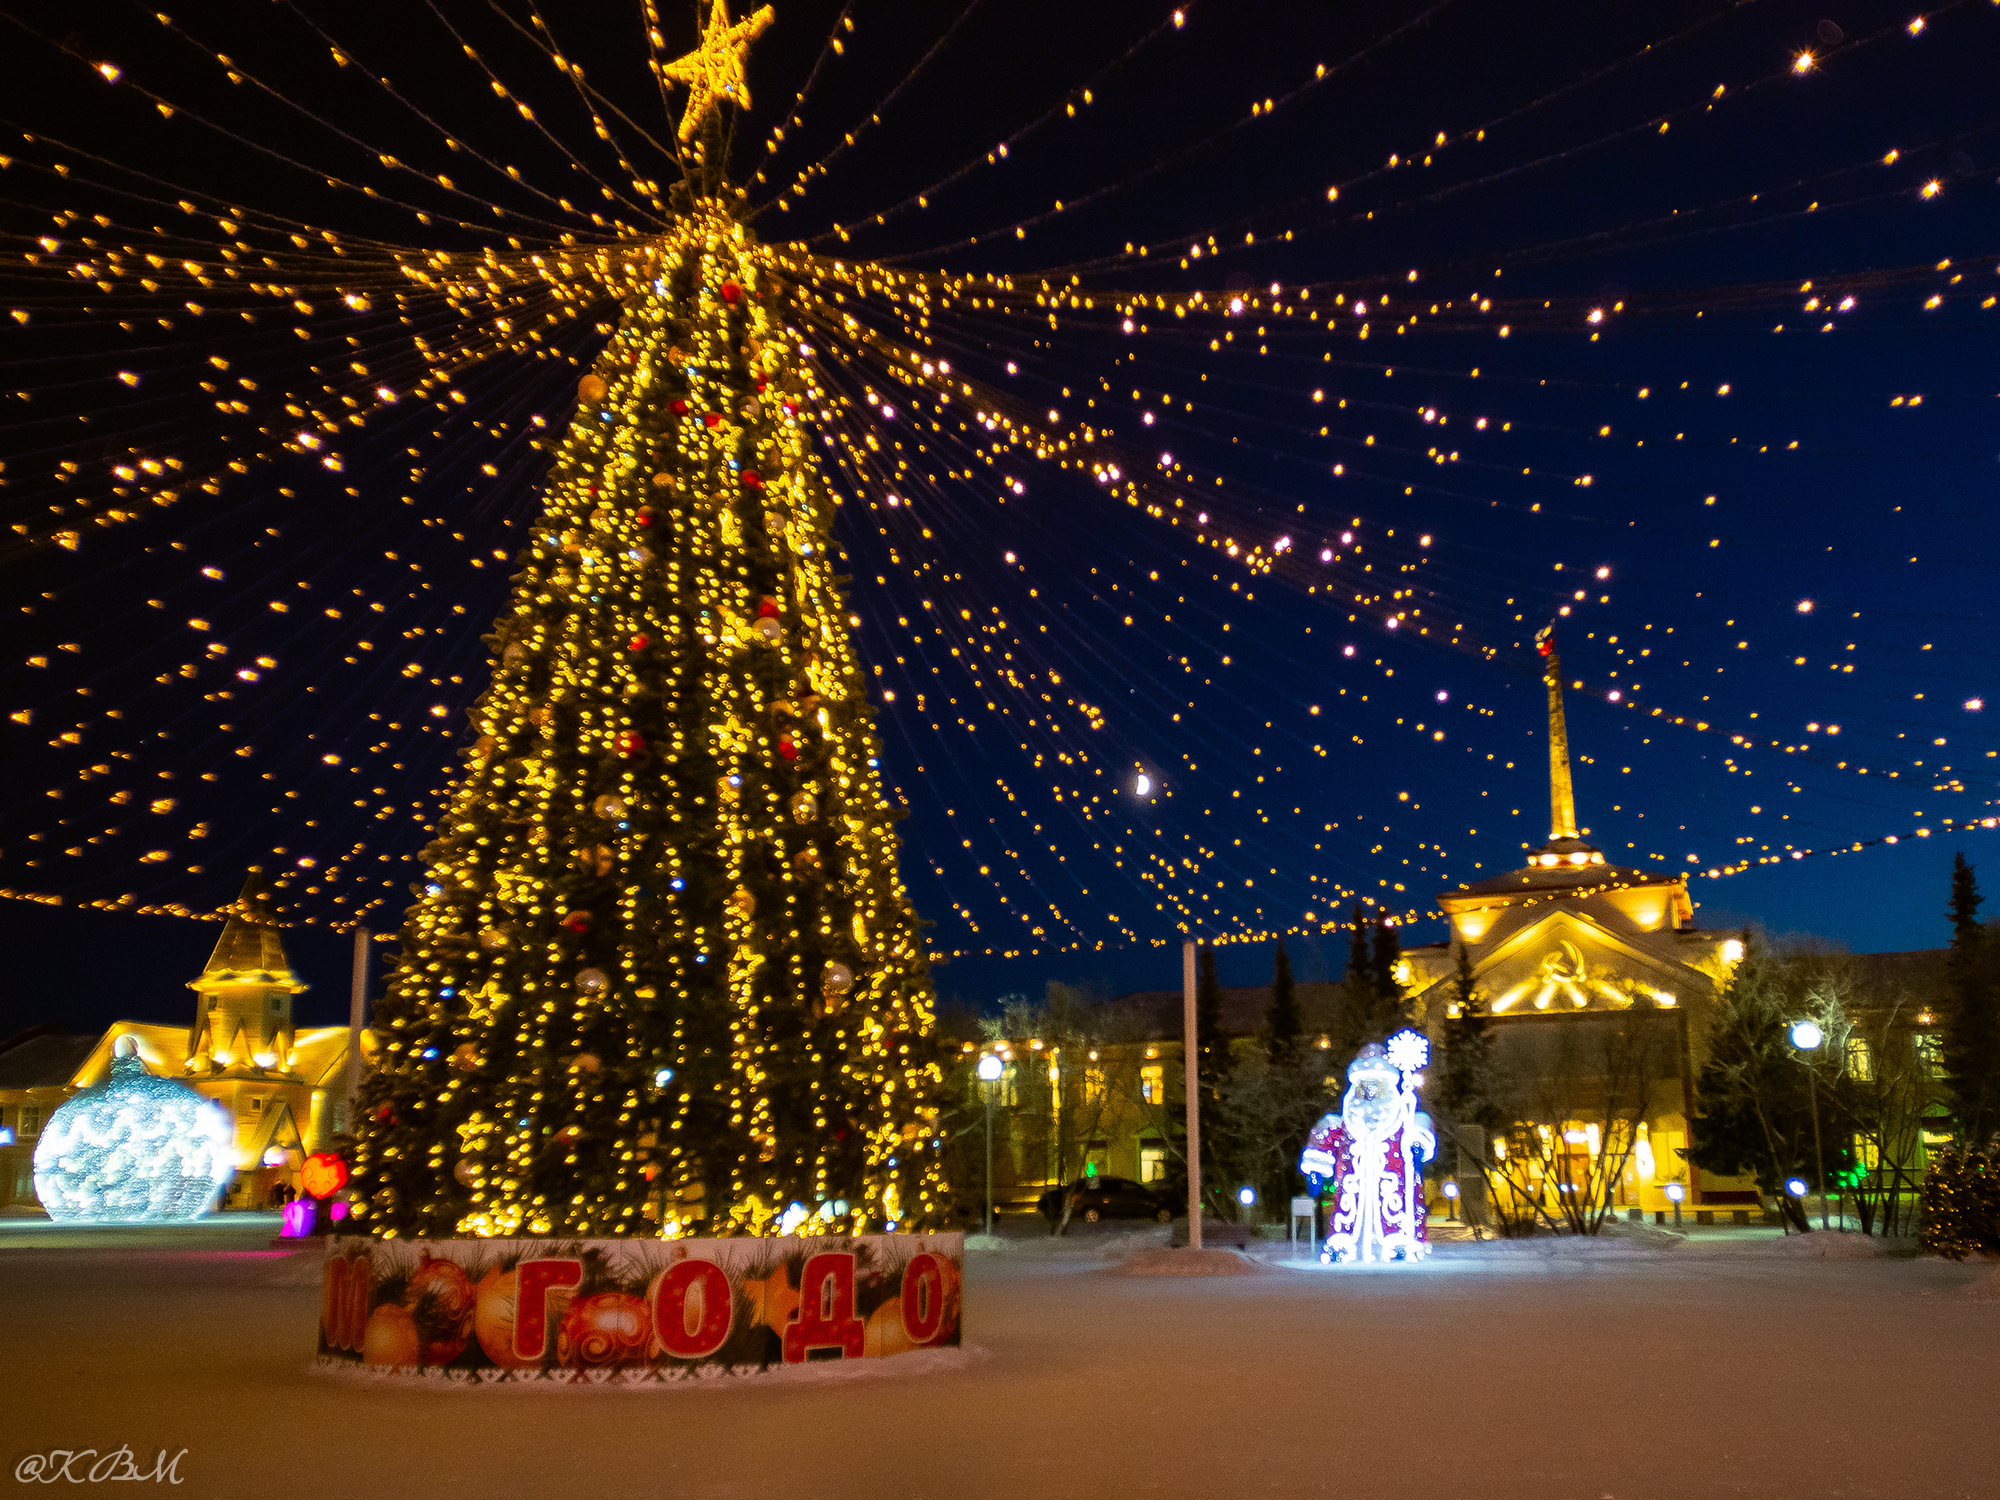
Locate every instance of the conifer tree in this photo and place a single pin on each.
(662, 973)
(1383, 962)
(1389, 1008)
(1971, 1031)
(1356, 977)
(1755, 1102)
(1463, 1093)
(1354, 1002)
(1372, 1004)
(1282, 1023)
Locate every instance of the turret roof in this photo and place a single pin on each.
(250, 949)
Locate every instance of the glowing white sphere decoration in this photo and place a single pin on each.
(134, 1149)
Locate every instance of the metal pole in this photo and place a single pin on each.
(357, 1014)
(1193, 1051)
(987, 1089)
(1812, 1093)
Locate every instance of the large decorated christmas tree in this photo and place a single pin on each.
(663, 976)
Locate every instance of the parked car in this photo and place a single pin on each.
(1097, 1198)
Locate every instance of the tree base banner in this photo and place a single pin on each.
(486, 1310)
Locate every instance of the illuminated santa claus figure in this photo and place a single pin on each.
(1373, 1152)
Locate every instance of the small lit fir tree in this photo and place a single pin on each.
(1959, 1206)
(663, 975)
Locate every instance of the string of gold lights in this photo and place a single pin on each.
(479, 306)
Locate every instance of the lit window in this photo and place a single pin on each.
(1860, 1061)
(1929, 1048)
(1152, 1164)
(1152, 1090)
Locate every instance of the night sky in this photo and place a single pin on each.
(1724, 275)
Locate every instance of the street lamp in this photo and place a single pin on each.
(1451, 1196)
(1806, 1036)
(990, 1069)
(1675, 1192)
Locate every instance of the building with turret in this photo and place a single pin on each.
(1600, 969)
(285, 1087)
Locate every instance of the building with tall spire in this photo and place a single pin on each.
(1571, 939)
(284, 1086)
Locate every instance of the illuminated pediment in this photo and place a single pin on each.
(1566, 960)
(1563, 978)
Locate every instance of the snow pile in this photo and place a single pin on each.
(1083, 1240)
(1985, 1289)
(1185, 1263)
(1824, 1245)
(1648, 1236)
(300, 1268)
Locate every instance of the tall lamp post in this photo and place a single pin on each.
(1192, 1050)
(989, 1075)
(1806, 1036)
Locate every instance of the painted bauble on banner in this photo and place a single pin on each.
(441, 1301)
(1374, 1152)
(608, 1328)
(134, 1149)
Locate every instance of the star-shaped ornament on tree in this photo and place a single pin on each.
(713, 72)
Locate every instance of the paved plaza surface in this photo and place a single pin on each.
(1728, 1365)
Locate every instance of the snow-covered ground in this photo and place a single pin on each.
(1731, 1364)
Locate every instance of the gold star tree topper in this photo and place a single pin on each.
(714, 70)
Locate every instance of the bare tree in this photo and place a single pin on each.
(1877, 1085)
(1064, 1078)
(1268, 1108)
(1578, 1090)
